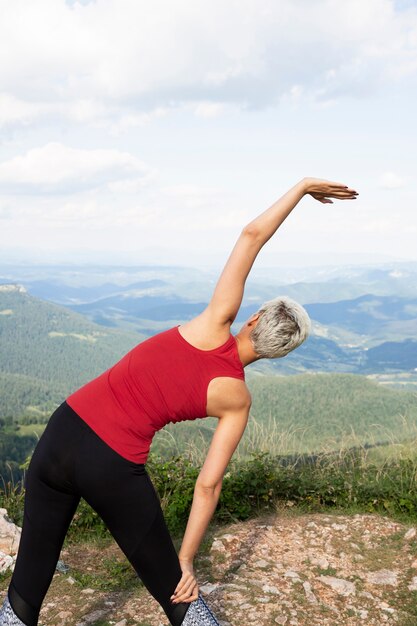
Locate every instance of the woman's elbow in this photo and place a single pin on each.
(251, 230)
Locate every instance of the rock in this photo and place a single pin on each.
(290, 574)
(6, 562)
(122, 622)
(208, 588)
(228, 538)
(312, 525)
(322, 563)
(309, 594)
(9, 534)
(366, 594)
(383, 577)
(217, 546)
(270, 589)
(341, 586)
(88, 590)
(94, 616)
(62, 567)
(65, 617)
(410, 534)
(261, 563)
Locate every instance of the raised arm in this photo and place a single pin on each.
(228, 293)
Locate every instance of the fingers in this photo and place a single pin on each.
(340, 195)
(186, 590)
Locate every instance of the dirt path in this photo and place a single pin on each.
(299, 570)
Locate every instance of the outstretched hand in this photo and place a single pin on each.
(323, 190)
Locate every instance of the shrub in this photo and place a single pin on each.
(257, 484)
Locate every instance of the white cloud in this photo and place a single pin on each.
(209, 109)
(391, 180)
(15, 111)
(121, 59)
(56, 168)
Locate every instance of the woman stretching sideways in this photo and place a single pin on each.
(96, 443)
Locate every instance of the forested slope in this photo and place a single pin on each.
(46, 351)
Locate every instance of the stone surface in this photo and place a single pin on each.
(7, 562)
(9, 534)
(410, 534)
(344, 587)
(294, 570)
(383, 577)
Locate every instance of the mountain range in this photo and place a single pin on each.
(60, 326)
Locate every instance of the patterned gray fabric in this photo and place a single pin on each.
(7, 616)
(199, 614)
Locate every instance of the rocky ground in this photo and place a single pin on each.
(286, 569)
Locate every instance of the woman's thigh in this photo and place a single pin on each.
(51, 499)
(70, 461)
(122, 493)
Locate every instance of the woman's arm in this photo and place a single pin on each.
(227, 435)
(228, 293)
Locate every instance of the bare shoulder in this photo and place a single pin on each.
(227, 395)
(204, 331)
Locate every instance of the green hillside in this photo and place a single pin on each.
(47, 351)
(330, 406)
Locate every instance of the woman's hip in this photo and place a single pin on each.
(71, 452)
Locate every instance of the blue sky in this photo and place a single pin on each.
(152, 132)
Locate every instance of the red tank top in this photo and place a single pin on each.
(163, 379)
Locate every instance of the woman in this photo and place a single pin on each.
(96, 443)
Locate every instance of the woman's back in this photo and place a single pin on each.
(163, 379)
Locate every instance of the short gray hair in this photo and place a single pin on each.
(283, 325)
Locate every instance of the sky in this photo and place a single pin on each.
(152, 132)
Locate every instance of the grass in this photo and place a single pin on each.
(355, 478)
(113, 575)
(380, 444)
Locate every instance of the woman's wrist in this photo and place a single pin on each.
(305, 184)
(186, 559)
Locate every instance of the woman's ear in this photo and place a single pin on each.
(253, 319)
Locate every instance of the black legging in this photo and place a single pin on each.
(71, 461)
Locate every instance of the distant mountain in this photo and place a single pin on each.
(69, 294)
(130, 306)
(369, 314)
(392, 356)
(43, 343)
(81, 283)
